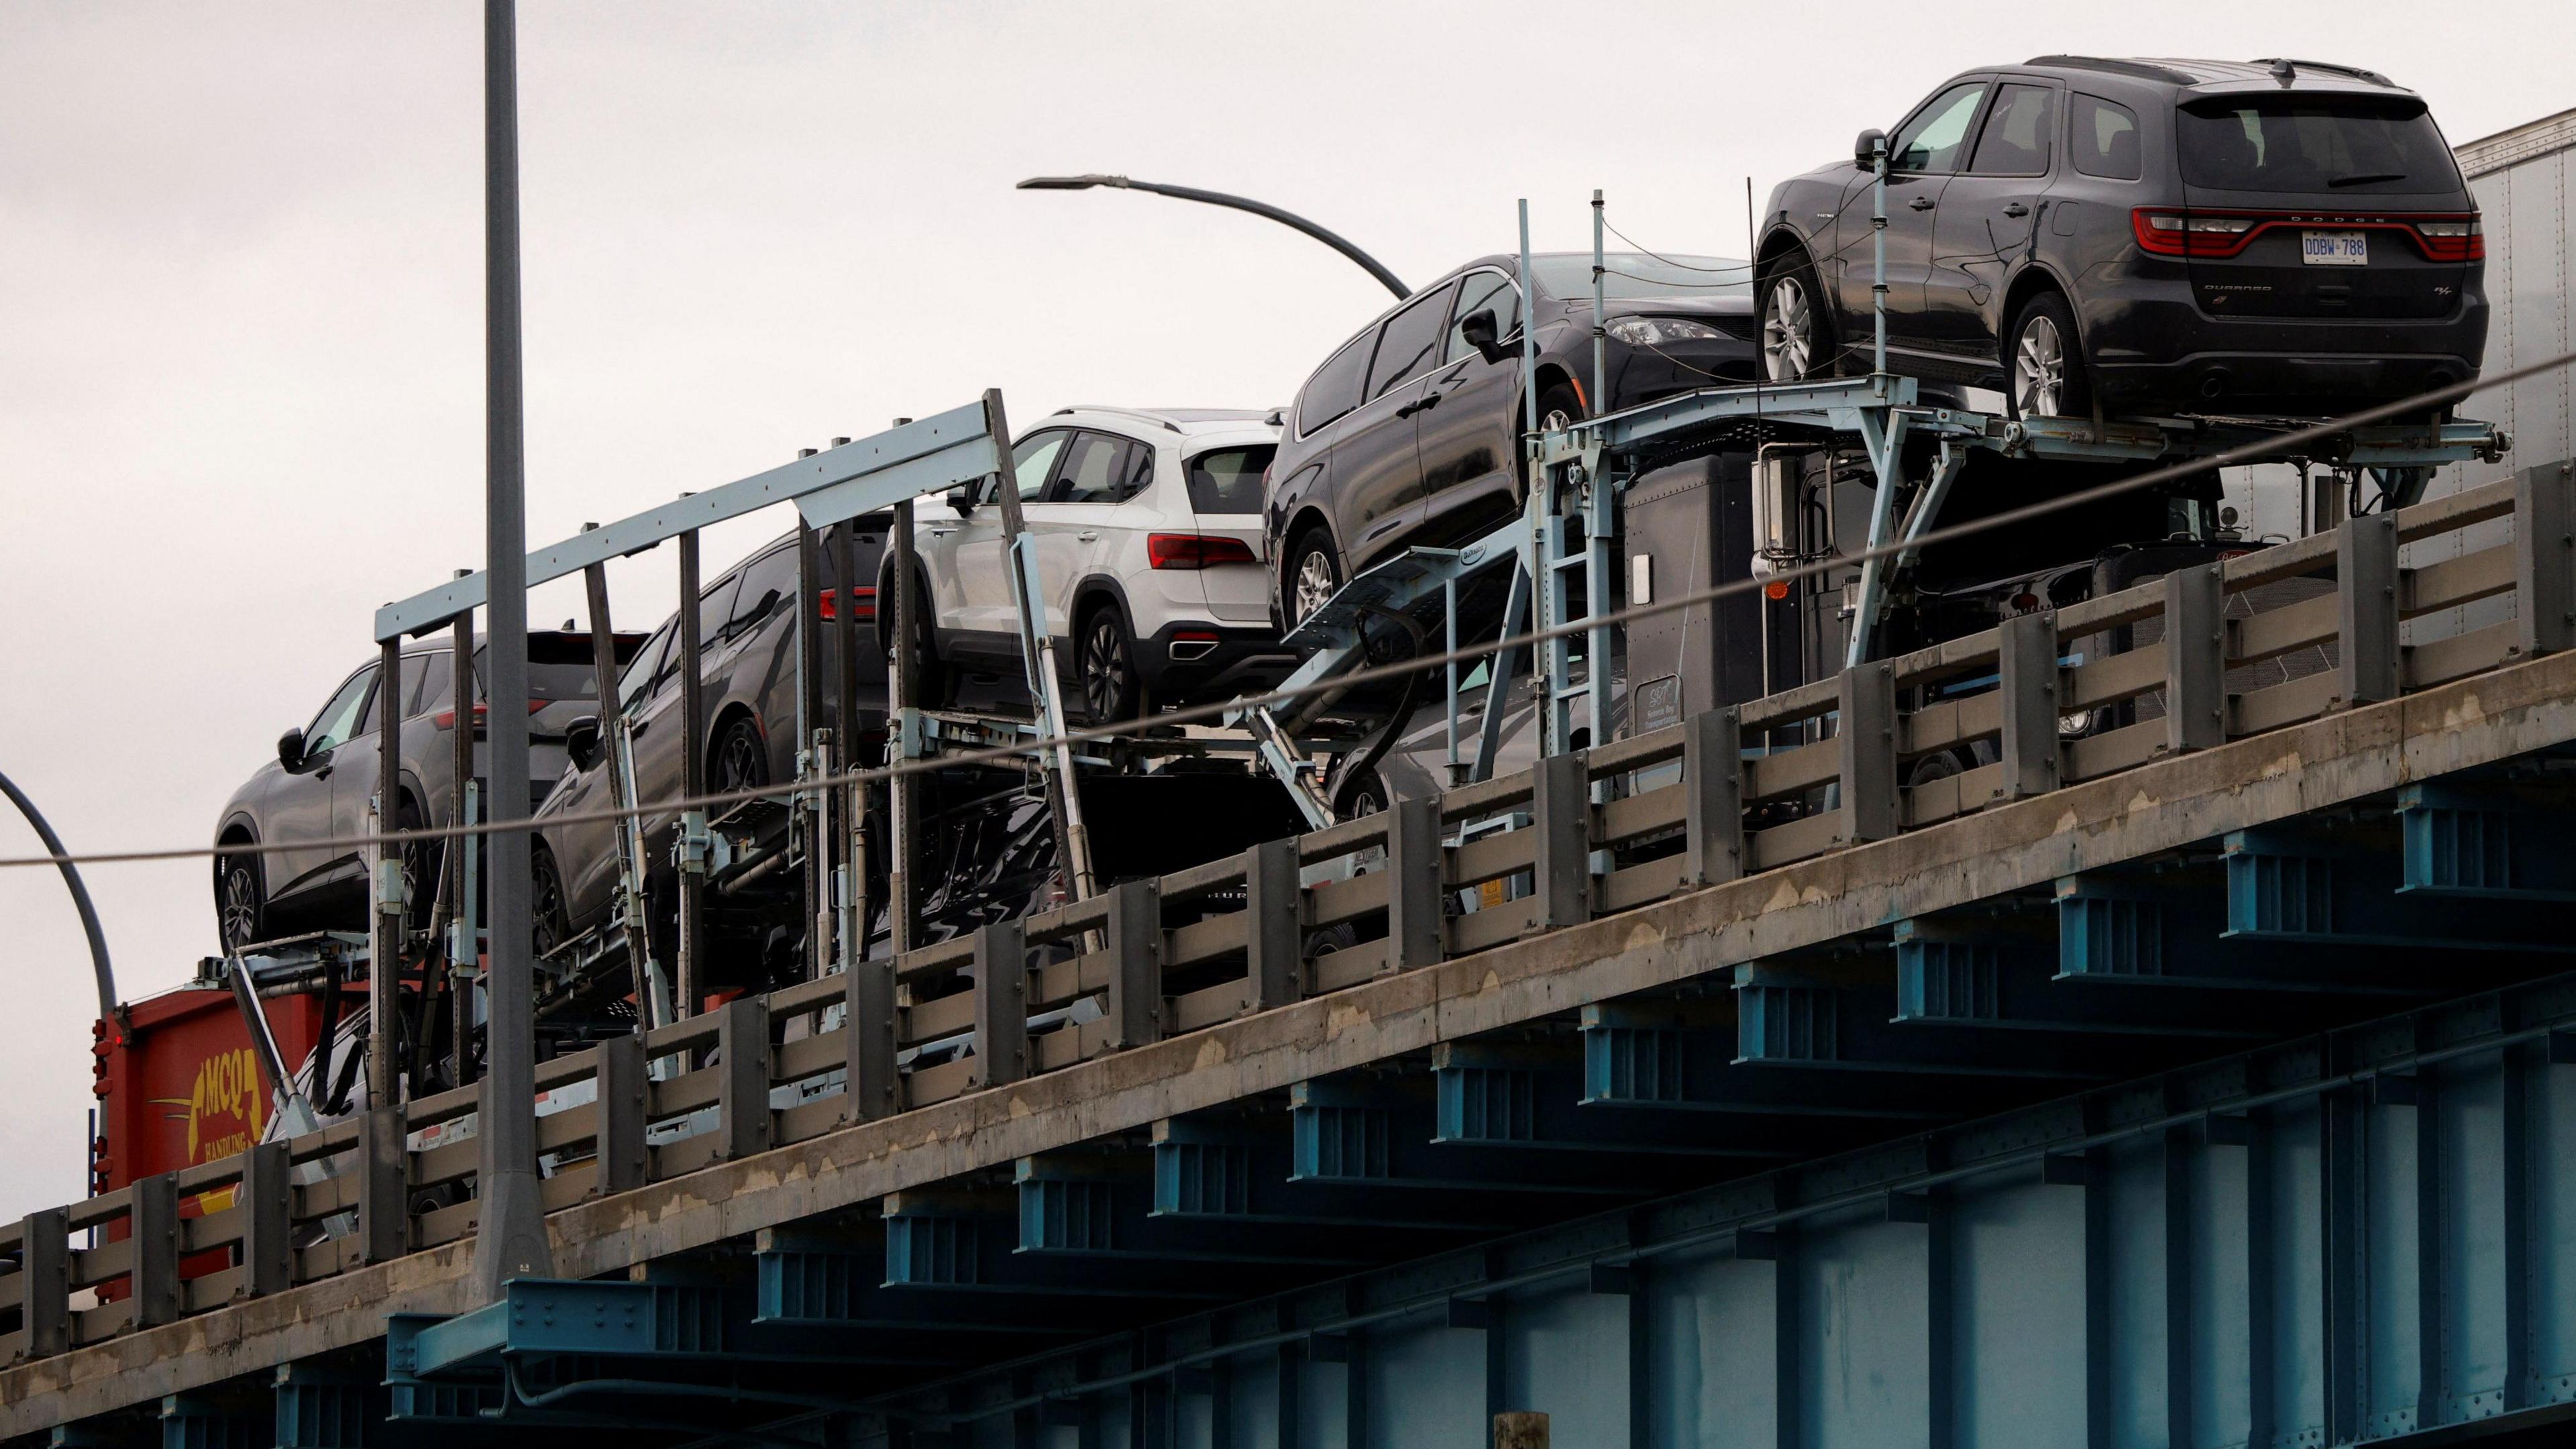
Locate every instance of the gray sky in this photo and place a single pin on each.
(240, 297)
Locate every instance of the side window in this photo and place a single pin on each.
(645, 668)
(1936, 138)
(769, 582)
(1478, 292)
(1136, 474)
(1412, 341)
(438, 688)
(1335, 387)
(2015, 139)
(1033, 463)
(415, 667)
(2104, 138)
(1094, 465)
(714, 607)
(338, 720)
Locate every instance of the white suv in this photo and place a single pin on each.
(1147, 525)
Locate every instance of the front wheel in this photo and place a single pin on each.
(549, 910)
(740, 758)
(1797, 321)
(2046, 361)
(241, 901)
(1106, 660)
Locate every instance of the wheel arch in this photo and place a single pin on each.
(726, 713)
(1089, 593)
(2034, 278)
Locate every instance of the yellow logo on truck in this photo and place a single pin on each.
(227, 1107)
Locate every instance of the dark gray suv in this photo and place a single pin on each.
(2269, 237)
(319, 786)
(1408, 434)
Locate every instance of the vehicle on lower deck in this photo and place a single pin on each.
(1147, 529)
(2273, 237)
(322, 785)
(1409, 434)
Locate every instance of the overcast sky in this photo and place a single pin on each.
(241, 292)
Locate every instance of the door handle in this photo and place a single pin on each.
(1091, 537)
(1427, 402)
(938, 531)
(323, 773)
(1920, 203)
(2015, 208)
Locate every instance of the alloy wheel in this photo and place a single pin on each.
(1315, 583)
(546, 910)
(1788, 331)
(738, 763)
(1104, 667)
(238, 918)
(2039, 369)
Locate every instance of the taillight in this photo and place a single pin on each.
(2180, 234)
(1194, 550)
(2453, 241)
(863, 604)
(446, 718)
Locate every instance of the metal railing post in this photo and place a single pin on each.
(1561, 815)
(742, 1038)
(45, 1278)
(1135, 964)
(2366, 613)
(384, 1184)
(1274, 933)
(1713, 796)
(1001, 1005)
(2195, 660)
(2026, 659)
(1867, 732)
(874, 1083)
(153, 1230)
(620, 1123)
(267, 1199)
(2544, 543)
(1413, 909)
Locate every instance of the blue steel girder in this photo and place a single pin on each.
(1842, 1016)
(1233, 1168)
(2339, 881)
(1999, 971)
(2489, 839)
(1530, 1094)
(2169, 928)
(1099, 1205)
(1381, 1129)
(543, 1317)
(966, 1240)
(1677, 1056)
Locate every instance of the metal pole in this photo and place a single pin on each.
(693, 783)
(384, 944)
(1600, 347)
(622, 790)
(903, 797)
(1037, 646)
(851, 893)
(511, 1235)
(465, 945)
(1878, 257)
(80, 902)
(1367, 263)
(810, 811)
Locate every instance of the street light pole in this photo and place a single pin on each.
(511, 1234)
(1367, 263)
(80, 901)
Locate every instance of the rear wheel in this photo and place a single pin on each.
(241, 900)
(420, 859)
(1314, 574)
(2045, 361)
(549, 911)
(1797, 322)
(1105, 658)
(740, 760)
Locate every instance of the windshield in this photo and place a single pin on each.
(2354, 146)
(1634, 275)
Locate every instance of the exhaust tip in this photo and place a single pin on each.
(2213, 383)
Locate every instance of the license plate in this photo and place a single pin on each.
(2335, 248)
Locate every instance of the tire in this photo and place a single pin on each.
(929, 676)
(420, 860)
(1797, 321)
(1559, 407)
(739, 759)
(549, 912)
(2044, 361)
(241, 901)
(1105, 662)
(1313, 575)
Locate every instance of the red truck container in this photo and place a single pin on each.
(178, 1083)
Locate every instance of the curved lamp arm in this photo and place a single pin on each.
(1367, 263)
(80, 899)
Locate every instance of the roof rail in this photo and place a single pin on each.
(2278, 61)
(2140, 69)
(1139, 414)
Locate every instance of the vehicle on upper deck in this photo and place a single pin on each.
(1147, 528)
(2273, 237)
(323, 782)
(1409, 433)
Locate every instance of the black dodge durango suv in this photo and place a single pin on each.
(2278, 237)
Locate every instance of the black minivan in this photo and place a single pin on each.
(2273, 237)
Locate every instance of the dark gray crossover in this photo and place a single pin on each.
(2272, 237)
(1407, 433)
(323, 782)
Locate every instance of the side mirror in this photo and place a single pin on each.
(1478, 327)
(1865, 150)
(290, 748)
(962, 500)
(581, 741)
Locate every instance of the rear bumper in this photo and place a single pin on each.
(1189, 661)
(2151, 345)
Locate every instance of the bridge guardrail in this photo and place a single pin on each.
(1684, 807)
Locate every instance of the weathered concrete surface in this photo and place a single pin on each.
(2157, 807)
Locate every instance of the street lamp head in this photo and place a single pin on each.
(1070, 183)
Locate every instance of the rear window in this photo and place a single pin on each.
(1228, 480)
(1635, 276)
(2310, 144)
